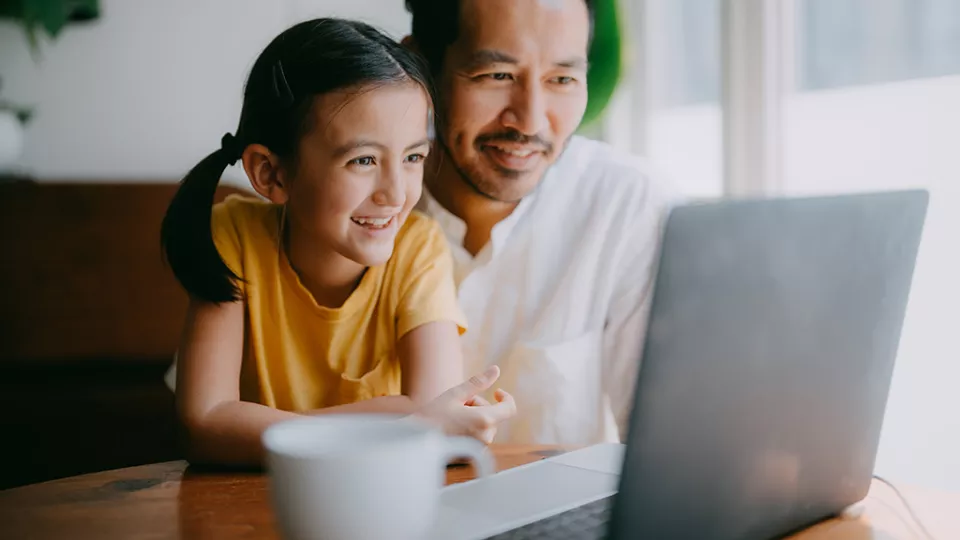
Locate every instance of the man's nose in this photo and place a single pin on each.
(527, 112)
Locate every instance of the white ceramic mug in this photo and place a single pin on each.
(360, 476)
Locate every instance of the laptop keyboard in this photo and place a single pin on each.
(587, 522)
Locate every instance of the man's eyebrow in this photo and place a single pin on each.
(576, 62)
(485, 57)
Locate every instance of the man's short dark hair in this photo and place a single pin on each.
(436, 25)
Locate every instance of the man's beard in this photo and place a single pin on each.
(466, 178)
(507, 136)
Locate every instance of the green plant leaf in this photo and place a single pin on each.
(84, 10)
(53, 16)
(24, 115)
(50, 15)
(11, 9)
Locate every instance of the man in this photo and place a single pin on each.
(554, 236)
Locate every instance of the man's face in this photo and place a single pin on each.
(513, 90)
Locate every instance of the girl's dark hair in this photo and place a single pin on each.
(312, 58)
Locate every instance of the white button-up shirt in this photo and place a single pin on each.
(560, 295)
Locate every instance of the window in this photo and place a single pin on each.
(672, 111)
(876, 106)
(868, 99)
(854, 42)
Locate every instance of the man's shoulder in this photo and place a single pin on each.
(597, 171)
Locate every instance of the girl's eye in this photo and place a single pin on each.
(416, 158)
(365, 161)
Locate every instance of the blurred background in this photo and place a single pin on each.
(727, 97)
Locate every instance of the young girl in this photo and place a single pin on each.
(331, 295)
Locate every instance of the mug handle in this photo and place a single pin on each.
(460, 447)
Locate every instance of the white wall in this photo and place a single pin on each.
(149, 89)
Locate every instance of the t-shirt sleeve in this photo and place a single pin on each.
(429, 293)
(226, 237)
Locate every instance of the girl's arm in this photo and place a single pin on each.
(219, 428)
(431, 360)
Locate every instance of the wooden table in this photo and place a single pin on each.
(172, 500)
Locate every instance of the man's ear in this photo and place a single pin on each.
(266, 174)
(410, 44)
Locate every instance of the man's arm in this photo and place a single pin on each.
(626, 325)
(623, 340)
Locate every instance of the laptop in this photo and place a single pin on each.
(770, 348)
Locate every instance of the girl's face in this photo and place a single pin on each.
(360, 170)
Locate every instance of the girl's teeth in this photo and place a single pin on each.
(373, 222)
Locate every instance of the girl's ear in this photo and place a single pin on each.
(266, 174)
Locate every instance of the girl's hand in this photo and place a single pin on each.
(460, 411)
(478, 401)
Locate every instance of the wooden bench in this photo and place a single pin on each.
(91, 319)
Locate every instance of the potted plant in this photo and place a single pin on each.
(35, 16)
(48, 15)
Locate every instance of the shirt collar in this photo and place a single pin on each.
(455, 228)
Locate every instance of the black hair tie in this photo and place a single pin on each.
(231, 148)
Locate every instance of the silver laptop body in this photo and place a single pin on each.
(770, 349)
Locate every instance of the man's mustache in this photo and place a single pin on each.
(516, 137)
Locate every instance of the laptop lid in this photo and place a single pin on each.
(764, 378)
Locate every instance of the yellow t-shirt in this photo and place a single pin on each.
(299, 355)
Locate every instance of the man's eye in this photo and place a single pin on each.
(498, 76)
(362, 161)
(563, 80)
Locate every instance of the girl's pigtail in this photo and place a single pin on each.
(186, 237)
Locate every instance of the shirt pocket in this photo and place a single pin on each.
(382, 380)
(557, 390)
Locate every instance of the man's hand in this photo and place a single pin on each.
(460, 411)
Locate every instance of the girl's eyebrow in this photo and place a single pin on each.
(366, 143)
(418, 144)
(355, 144)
